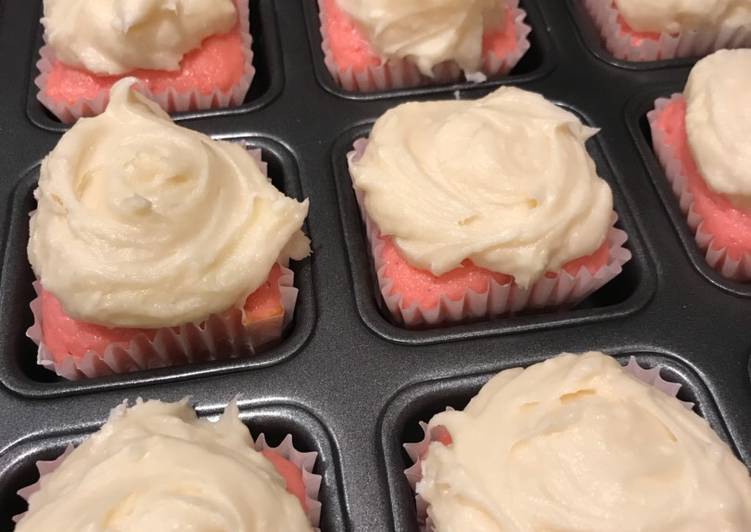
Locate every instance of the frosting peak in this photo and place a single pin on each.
(718, 122)
(428, 33)
(577, 444)
(156, 225)
(504, 181)
(114, 37)
(156, 466)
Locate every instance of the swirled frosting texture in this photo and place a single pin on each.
(428, 33)
(155, 466)
(674, 16)
(577, 444)
(117, 36)
(504, 181)
(718, 122)
(142, 223)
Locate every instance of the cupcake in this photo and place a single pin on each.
(186, 54)
(156, 466)
(475, 209)
(371, 45)
(154, 245)
(703, 141)
(578, 443)
(636, 30)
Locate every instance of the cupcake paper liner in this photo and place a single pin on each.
(305, 463)
(170, 100)
(403, 73)
(418, 450)
(286, 449)
(219, 337)
(690, 43)
(718, 257)
(561, 290)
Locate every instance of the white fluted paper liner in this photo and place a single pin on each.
(171, 100)
(561, 290)
(303, 461)
(418, 450)
(403, 73)
(44, 467)
(691, 43)
(737, 269)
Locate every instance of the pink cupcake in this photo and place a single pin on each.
(374, 45)
(186, 54)
(635, 30)
(154, 245)
(701, 138)
(577, 443)
(475, 209)
(156, 466)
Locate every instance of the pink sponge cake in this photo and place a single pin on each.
(370, 47)
(66, 338)
(648, 31)
(175, 246)
(197, 56)
(475, 209)
(702, 140)
(421, 288)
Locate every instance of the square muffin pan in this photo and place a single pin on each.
(346, 380)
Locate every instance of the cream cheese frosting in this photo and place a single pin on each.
(718, 122)
(112, 37)
(504, 181)
(675, 16)
(156, 466)
(142, 223)
(577, 444)
(427, 33)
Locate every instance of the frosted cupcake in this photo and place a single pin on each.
(578, 443)
(475, 209)
(642, 30)
(156, 466)
(154, 245)
(382, 44)
(186, 54)
(703, 141)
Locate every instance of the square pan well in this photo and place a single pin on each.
(537, 62)
(590, 36)
(638, 126)
(419, 402)
(267, 59)
(17, 466)
(19, 371)
(624, 295)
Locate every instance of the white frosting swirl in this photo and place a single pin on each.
(505, 181)
(117, 36)
(674, 16)
(428, 33)
(156, 466)
(142, 223)
(718, 122)
(577, 444)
